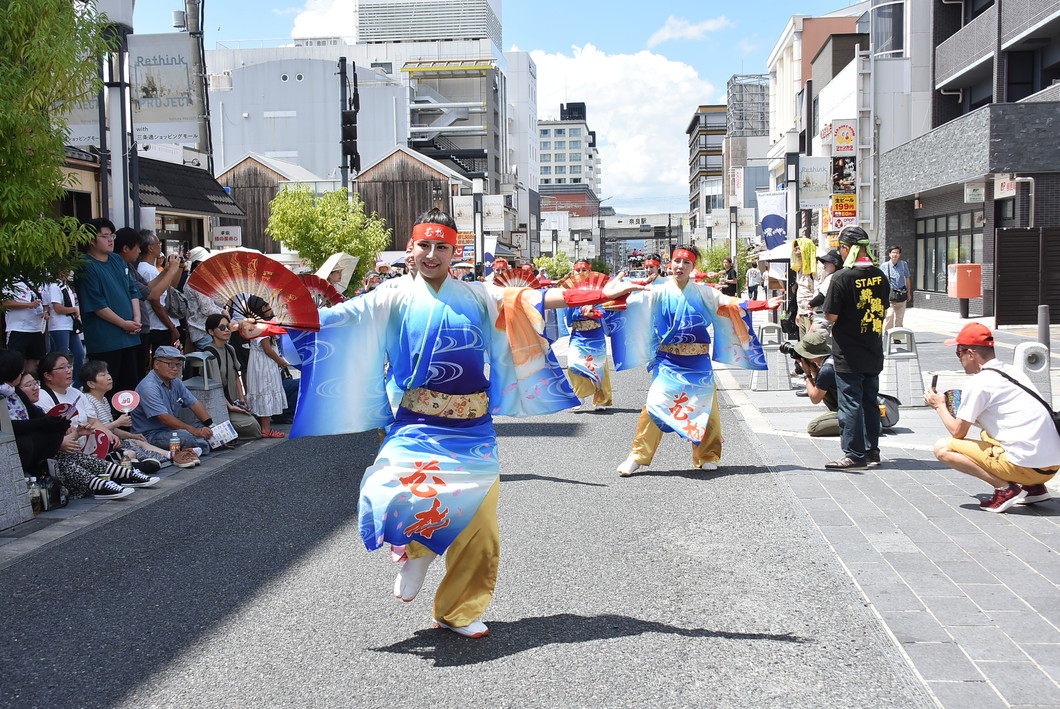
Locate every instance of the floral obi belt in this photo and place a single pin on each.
(687, 349)
(585, 325)
(450, 406)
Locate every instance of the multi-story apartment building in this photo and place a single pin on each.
(991, 146)
(567, 150)
(706, 171)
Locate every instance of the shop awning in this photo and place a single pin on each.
(181, 189)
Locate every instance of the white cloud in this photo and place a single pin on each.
(639, 105)
(746, 46)
(326, 18)
(680, 28)
(286, 10)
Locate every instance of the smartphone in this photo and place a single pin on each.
(934, 382)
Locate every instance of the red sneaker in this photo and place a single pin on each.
(1035, 493)
(1004, 498)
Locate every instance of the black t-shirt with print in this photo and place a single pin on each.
(730, 288)
(859, 296)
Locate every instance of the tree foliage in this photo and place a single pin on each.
(317, 227)
(49, 59)
(556, 266)
(711, 258)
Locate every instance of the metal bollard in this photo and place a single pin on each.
(901, 376)
(1032, 358)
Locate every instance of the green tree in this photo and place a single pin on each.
(599, 265)
(556, 266)
(711, 258)
(317, 227)
(49, 52)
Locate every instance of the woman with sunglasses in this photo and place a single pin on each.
(220, 330)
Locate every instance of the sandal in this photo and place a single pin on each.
(273, 433)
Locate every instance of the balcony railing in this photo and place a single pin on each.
(970, 45)
(1018, 16)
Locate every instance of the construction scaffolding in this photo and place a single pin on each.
(748, 105)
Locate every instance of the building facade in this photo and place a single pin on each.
(567, 150)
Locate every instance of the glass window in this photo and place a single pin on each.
(546, 181)
(966, 221)
(561, 132)
(919, 227)
(920, 260)
(951, 222)
(574, 144)
(575, 132)
(546, 145)
(888, 29)
(561, 180)
(546, 157)
(546, 170)
(574, 157)
(561, 169)
(966, 249)
(575, 180)
(940, 264)
(575, 169)
(545, 132)
(561, 144)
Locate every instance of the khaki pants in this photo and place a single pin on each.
(895, 315)
(585, 387)
(471, 563)
(648, 436)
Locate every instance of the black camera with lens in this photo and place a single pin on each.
(789, 349)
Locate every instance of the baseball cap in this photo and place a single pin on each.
(831, 257)
(974, 335)
(168, 352)
(813, 344)
(853, 235)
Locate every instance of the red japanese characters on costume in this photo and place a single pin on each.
(429, 521)
(680, 409)
(417, 481)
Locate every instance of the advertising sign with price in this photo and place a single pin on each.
(844, 211)
(465, 246)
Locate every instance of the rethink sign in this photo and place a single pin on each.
(165, 102)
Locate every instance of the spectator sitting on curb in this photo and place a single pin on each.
(97, 384)
(819, 373)
(162, 396)
(1019, 450)
(243, 420)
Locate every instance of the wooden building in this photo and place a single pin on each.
(401, 186)
(253, 181)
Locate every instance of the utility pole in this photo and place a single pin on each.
(351, 157)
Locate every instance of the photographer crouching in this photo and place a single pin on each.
(813, 357)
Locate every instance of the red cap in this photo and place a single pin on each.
(973, 335)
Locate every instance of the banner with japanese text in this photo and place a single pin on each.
(773, 215)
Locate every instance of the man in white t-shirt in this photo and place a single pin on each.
(1019, 450)
(162, 329)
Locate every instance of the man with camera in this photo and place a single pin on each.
(814, 357)
(1019, 450)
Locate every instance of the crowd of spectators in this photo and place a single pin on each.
(111, 326)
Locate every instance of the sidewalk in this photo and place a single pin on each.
(970, 597)
(86, 513)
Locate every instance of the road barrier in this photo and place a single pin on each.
(776, 377)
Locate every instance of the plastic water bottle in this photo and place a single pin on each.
(174, 444)
(35, 500)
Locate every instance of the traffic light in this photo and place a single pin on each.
(349, 139)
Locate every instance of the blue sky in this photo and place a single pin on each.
(640, 67)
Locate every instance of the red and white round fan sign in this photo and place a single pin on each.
(125, 401)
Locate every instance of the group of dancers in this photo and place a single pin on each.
(413, 355)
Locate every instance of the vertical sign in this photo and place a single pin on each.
(737, 187)
(844, 175)
(773, 208)
(815, 182)
(844, 138)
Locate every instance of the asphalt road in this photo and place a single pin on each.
(673, 588)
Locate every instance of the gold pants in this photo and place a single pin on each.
(471, 563)
(648, 436)
(583, 387)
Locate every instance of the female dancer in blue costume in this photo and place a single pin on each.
(587, 367)
(433, 487)
(666, 329)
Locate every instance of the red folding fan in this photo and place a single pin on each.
(236, 277)
(324, 294)
(591, 280)
(517, 278)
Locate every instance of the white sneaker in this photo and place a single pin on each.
(409, 580)
(477, 629)
(601, 407)
(709, 466)
(628, 467)
(586, 405)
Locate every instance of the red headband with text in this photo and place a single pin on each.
(435, 232)
(582, 263)
(651, 262)
(684, 254)
(500, 263)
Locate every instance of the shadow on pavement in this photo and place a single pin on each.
(446, 649)
(695, 474)
(530, 429)
(523, 477)
(86, 621)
